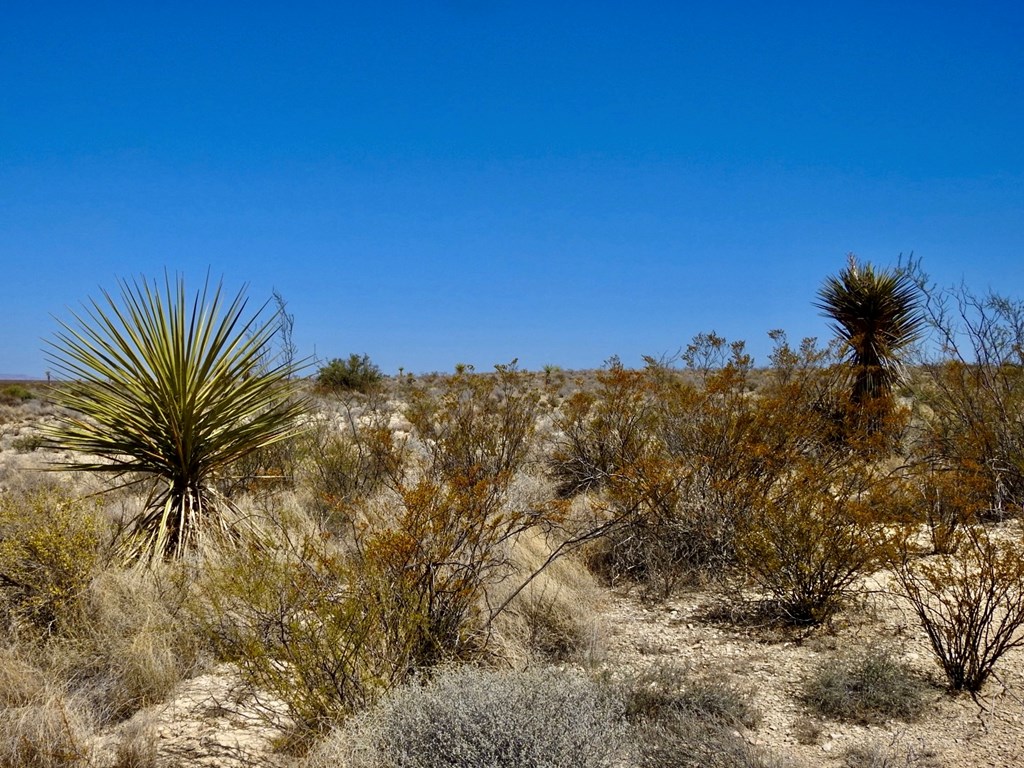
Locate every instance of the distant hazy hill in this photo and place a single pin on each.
(17, 377)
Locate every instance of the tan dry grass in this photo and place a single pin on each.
(554, 617)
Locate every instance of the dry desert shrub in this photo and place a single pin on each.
(971, 391)
(88, 644)
(468, 717)
(942, 498)
(810, 539)
(622, 443)
(698, 474)
(50, 734)
(49, 551)
(869, 686)
(349, 454)
(329, 623)
(970, 603)
(682, 717)
(446, 534)
(602, 431)
(683, 742)
(300, 624)
(474, 425)
(15, 394)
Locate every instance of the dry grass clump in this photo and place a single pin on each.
(42, 723)
(665, 691)
(552, 618)
(680, 717)
(871, 686)
(49, 733)
(137, 747)
(891, 754)
(682, 742)
(131, 643)
(468, 717)
(85, 646)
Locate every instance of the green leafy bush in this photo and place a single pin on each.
(358, 373)
(12, 394)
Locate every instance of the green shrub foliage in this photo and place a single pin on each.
(357, 373)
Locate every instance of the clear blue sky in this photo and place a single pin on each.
(472, 181)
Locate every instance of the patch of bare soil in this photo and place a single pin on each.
(953, 732)
(211, 720)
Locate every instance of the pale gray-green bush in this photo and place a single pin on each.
(468, 718)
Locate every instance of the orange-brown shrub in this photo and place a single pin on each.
(970, 603)
(971, 392)
(718, 475)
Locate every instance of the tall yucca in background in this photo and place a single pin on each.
(170, 391)
(877, 315)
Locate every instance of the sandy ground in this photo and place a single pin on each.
(954, 732)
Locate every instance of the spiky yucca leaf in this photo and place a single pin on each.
(877, 315)
(170, 391)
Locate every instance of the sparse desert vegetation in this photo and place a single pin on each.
(698, 562)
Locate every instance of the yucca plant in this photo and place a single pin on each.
(877, 314)
(169, 391)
